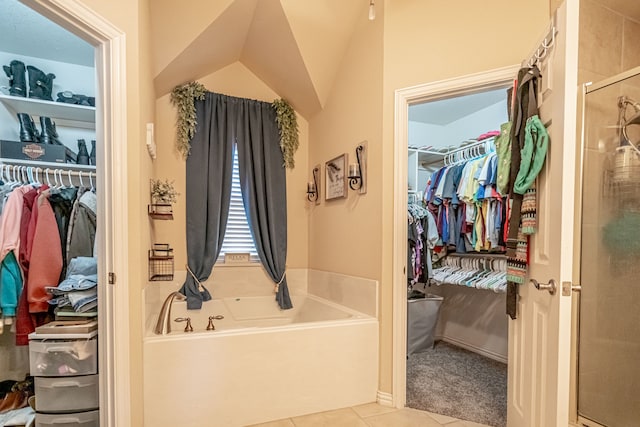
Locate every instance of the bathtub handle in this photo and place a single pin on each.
(210, 326)
(188, 327)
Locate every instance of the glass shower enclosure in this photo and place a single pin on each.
(609, 328)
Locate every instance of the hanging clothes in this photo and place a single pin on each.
(529, 145)
(466, 204)
(82, 226)
(422, 237)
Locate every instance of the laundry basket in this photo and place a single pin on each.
(422, 317)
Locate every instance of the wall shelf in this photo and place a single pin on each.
(160, 211)
(47, 165)
(80, 116)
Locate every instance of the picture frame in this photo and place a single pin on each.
(335, 177)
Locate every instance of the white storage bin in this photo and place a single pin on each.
(84, 419)
(67, 394)
(55, 358)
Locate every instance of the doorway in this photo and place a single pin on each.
(111, 129)
(493, 80)
(457, 330)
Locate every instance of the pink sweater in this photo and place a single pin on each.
(45, 263)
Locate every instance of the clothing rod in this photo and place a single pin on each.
(43, 171)
(462, 153)
(545, 45)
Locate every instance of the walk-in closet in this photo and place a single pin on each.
(457, 328)
(49, 373)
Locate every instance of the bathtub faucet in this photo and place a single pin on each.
(163, 326)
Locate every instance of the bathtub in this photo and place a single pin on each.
(260, 363)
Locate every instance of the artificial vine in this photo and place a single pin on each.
(288, 126)
(184, 97)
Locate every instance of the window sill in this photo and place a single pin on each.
(222, 264)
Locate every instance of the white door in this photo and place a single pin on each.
(540, 338)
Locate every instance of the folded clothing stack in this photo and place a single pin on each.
(79, 289)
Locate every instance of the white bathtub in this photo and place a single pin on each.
(260, 364)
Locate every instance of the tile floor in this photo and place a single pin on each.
(371, 415)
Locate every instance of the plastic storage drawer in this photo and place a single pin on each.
(56, 358)
(67, 394)
(83, 419)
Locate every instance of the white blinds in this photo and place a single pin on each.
(238, 235)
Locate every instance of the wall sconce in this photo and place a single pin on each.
(358, 171)
(313, 187)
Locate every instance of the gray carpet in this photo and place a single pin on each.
(452, 381)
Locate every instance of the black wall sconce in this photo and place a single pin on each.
(358, 171)
(313, 187)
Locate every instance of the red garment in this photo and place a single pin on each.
(46, 256)
(24, 323)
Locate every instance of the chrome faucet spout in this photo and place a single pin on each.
(163, 326)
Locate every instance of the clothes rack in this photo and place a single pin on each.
(51, 176)
(469, 151)
(480, 272)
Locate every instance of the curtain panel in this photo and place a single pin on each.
(224, 121)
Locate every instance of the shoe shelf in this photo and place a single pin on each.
(80, 116)
(47, 165)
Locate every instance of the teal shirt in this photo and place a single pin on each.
(10, 284)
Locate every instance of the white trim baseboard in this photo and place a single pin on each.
(384, 398)
(479, 350)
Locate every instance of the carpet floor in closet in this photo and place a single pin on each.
(452, 381)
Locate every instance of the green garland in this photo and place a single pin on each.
(288, 126)
(183, 97)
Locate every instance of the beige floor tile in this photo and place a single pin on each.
(346, 417)
(279, 423)
(370, 409)
(403, 418)
(442, 419)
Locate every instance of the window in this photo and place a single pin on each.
(238, 236)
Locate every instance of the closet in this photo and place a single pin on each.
(457, 267)
(48, 343)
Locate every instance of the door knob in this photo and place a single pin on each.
(551, 286)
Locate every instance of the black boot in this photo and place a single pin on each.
(49, 133)
(15, 72)
(83, 154)
(40, 84)
(92, 155)
(28, 130)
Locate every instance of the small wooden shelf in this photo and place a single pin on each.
(160, 214)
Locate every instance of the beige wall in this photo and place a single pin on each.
(426, 41)
(234, 80)
(410, 42)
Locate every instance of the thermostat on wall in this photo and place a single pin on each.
(236, 257)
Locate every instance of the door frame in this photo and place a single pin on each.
(111, 127)
(405, 97)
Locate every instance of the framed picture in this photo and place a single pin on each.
(335, 182)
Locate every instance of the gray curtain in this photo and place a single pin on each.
(264, 188)
(208, 193)
(222, 121)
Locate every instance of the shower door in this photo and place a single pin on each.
(609, 337)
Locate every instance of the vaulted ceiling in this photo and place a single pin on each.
(293, 46)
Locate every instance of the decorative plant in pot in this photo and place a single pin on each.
(163, 195)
